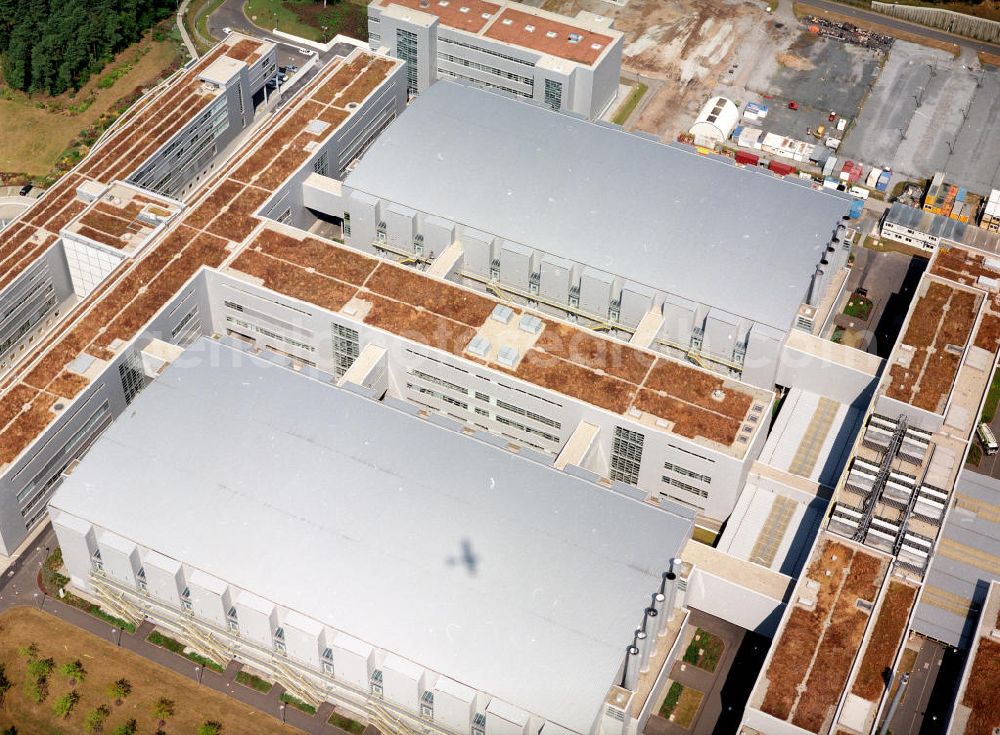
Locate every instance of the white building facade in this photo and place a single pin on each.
(569, 65)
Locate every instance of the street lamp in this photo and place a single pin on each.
(197, 672)
(282, 708)
(116, 636)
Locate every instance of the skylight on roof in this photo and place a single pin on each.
(486, 16)
(575, 38)
(463, 9)
(596, 46)
(507, 22)
(529, 28)
(551, 34)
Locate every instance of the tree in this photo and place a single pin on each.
(163, 708)
(5, 683)
(210, 727)
(40, 668)
(128, 728)
(74, 671)
(120, 689)
(65, 704)
(94, 721)
(10, 731)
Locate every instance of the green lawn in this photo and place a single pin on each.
(254, 682)
(858, 307)
(298, 704)
(346, 723)
(670, 703)
(627, 107)
(992, 398)
(687, 707)
(705, 650)
(311, 20)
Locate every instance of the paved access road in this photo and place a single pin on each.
(904, 25)
(18, 587)
(230, 15)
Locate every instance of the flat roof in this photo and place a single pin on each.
(200, 236)
(660, 392)
(696, 226)
(466, 15)
(210, 443)
(966, 560)
(546, 35)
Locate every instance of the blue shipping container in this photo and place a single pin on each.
(857, 206)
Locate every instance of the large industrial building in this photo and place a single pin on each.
(567, 65)
(583, 365)
(457, 587)
(590, 223)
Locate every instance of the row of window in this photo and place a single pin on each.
(676, 468)
(626, 455)
(484, 68)
(684, 486)
(481, 83)
(268, 333)
(480, 49)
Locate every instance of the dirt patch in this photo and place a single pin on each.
(691, 46)
(105, 664)
(793, 61)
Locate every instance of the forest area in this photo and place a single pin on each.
(53, 46)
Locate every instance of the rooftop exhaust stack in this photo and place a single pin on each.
(649, 626)
(659, 604)
(630, 674)
(668, 588)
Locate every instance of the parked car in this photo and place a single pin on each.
(25, 190)
(793, 105)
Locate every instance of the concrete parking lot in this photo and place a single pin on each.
(821, 75)
(931, 112)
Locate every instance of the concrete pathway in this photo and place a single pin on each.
(19, 588)
(181, 11)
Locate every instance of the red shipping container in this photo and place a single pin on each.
(782, 169)
(749, 159)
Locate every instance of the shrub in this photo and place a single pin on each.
(210, 728)
(65, 704)
(163, 708)
(94, 721)
(128, 728)
(74, 670)
(5, 683)
(30, 651)
(34, 690)
(346, 723)
(120, 689)
(171, 644)
(40, 668)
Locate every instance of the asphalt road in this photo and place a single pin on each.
(230, 15)
(903, 25)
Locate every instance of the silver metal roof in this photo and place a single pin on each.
(697, 226)
(958, 574)
(500, 572)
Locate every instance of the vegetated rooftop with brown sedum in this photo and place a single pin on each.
(812, 657)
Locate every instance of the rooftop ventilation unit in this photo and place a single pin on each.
(479, 346)
(507, 356)
(530, 323)
(575, 38)
(502, 314)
